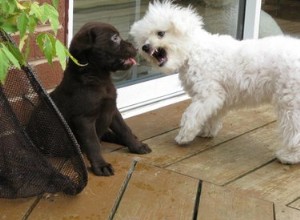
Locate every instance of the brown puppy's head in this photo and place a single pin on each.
(100, 46)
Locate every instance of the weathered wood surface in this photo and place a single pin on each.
(241, 159)
(166, 151)
(219, 203)
(155, 193)
(232, 159)
(283, 212)
(15, 209)
(157, 122)
(95, 202)
(275, 182)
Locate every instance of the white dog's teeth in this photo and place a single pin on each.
(153, 51)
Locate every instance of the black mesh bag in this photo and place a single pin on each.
(38, 152)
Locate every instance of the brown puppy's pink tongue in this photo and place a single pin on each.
(130, 61)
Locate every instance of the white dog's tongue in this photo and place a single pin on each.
(130, 61)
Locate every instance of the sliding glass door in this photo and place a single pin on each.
(142, 88)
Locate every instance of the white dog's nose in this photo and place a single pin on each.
(146, 48)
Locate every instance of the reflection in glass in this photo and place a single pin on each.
(220, 16)
(285, 14)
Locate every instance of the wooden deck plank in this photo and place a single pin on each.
(155, 193)
(166, 151)
(274, 182)
(157, 122)
(295, 204)
(149, 126)
(15, 208)
(283, 212)
(232, 159)
(218, 203)
(96, 200)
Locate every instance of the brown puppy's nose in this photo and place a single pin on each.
(146, 48)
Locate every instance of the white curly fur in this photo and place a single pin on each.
(221, 73)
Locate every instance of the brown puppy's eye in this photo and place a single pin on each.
(116, 38)
(161, 34)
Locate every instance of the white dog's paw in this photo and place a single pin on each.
(207, 133)
(210, 131)
(288, 156)
(184, 137)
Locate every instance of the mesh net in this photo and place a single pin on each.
(38, 152)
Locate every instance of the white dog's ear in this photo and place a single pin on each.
(176, 28)
(179, 28)
(181, 23)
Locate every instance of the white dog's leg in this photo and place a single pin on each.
(211, 127)
(289, 124)
(195, 117)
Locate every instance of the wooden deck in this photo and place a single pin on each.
(234, 176)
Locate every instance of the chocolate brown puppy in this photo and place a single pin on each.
(86, 97)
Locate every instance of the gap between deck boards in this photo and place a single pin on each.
(218, 144)
(122, 190)
(126, 182)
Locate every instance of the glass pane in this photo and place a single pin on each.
(280, 17)
(220, 16)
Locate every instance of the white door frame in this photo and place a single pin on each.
(252, 19)
(149, 95)
(142, 97)
(70, 22)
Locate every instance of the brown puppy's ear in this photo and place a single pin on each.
(82, 41)
(90, 37)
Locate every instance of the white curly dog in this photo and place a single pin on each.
(221, 73)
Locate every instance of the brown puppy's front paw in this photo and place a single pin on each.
(141, 149)
(103, 169)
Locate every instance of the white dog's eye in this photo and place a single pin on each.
(161, 34)
(116, 38)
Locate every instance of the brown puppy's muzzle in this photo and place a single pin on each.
(129, 52)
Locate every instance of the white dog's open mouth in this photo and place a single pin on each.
(160, 55)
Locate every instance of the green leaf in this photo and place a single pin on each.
(22, 23)
(61, 53)
(46, 46)
(22, 42)
(4, 65)
(27, 48)
(9, 28)
(37, 11)
(39, 40)
(32, 23)
(17, 53)
(52, 15)
(55, 3)
(25, 5)
(4, 7)
(19, 5)
(24, 16)
(11, 58)
(75, 60)
(8, 7)
(44, 17)
(48, 49)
